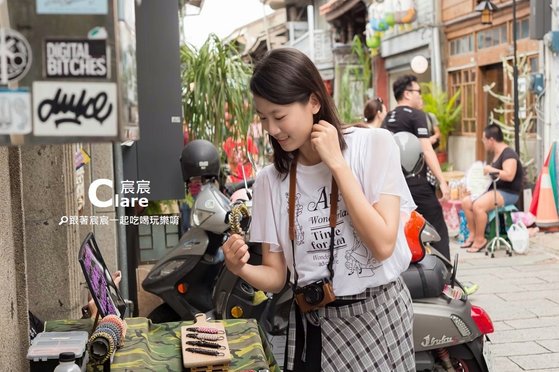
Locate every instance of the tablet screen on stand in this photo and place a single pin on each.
(99, 280)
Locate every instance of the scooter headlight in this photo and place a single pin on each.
(199, 216)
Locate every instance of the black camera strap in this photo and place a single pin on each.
(332, 218)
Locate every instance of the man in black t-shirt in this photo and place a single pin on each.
(408, 117)
(508, 169)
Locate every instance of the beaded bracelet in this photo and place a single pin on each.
(121, 324)
(101, 346)
(112, 330)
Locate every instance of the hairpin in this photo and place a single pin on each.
(198, 350)
(213, 345)
(209, 330)
(204, 337)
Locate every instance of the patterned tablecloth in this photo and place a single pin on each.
(156, 347)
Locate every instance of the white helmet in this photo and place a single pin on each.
(411, 153)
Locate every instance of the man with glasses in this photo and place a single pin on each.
(409, 117)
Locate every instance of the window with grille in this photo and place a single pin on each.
(462, 45)
(465, 82)
(492, 37)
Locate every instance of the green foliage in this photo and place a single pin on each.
(213, 76)
(445, 109)
(345, 104)
(355, 81)
(361, 52)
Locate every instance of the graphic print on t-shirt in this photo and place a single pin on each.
(315, 212)
(359, 259)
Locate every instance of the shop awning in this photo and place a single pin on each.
(337, 8)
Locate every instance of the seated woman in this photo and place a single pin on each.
(507, 164)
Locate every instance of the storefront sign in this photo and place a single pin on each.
(15, 56)
(15, 111)
(72, 6)
(75, 58)
(74, 109)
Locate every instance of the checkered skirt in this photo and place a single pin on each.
(370, 335)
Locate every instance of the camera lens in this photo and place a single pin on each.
(313, 294)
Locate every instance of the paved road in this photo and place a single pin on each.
(521, 294)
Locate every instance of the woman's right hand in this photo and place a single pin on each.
(236, 253)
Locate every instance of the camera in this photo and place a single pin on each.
(314, 295)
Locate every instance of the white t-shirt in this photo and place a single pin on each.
(375, 161)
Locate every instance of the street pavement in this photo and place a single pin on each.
(521, 295)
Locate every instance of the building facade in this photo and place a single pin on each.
(479, 61)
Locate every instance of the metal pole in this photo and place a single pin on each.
(122, 249)
(515, 81)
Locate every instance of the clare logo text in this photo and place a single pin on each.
(127, 187)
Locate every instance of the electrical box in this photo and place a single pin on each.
(537, 82)
(554, 42)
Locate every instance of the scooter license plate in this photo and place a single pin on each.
(487, 355)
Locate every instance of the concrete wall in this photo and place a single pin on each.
(51, 249)
(462, 154)
(39, 269)
(13, 291)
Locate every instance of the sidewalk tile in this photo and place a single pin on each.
(551, 345)
(502, 364)
(542, 322)
(531, 362)
(518, 348)
(524, 335)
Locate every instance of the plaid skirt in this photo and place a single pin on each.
(374, 334)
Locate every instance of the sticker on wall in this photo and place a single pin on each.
(74, 109)
(97, 33)
(67, 58)
(15, 56)
(72, 7)
(15, 111)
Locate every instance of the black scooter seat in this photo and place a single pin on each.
(426, 278)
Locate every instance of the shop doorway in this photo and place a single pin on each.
(491, 75)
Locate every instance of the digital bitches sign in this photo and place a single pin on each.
(73, 58)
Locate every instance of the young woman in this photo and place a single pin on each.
(374, 112)
(351, 242)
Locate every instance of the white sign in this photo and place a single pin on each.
(74, 109)
(72, 7)
(15, 111)
(15, 56)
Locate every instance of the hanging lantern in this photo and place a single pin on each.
(486, 8)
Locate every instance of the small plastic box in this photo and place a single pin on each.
(47, 346)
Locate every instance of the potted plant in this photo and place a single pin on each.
(446, 110)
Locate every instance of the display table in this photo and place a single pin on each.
(451, 217)
(453, 175)
(156, 347)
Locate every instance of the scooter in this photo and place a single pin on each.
(185, 278)
(450, 334)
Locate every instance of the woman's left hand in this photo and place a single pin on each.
(324, 139)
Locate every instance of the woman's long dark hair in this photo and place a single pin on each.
(285, 76)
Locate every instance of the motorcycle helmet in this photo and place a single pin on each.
(199, 158)
(411, 153)
(413, 231)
